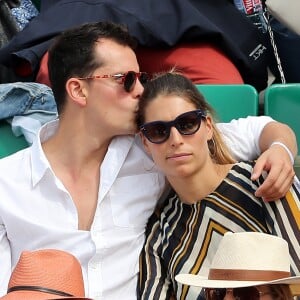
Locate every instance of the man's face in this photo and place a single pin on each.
(111, 107)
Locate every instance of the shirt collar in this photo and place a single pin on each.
(39, 162)
(117, 152)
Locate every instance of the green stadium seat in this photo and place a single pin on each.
(9, 143)
(282, 103)
(297, 166)
(231, 101)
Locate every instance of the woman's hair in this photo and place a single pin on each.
(280, 292)
(173, 83)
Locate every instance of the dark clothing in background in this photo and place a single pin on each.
(288, 47)
(8, 28)
(154, 23)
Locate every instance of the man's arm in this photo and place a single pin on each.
(279, 147)
(252, 137)
(279, 132)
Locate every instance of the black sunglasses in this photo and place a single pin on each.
(128, 79)
(244, 293)
(158, 132)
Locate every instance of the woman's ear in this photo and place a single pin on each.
(209, 127)
(77, 91)
(144, 142)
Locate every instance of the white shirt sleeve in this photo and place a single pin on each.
(242, 136)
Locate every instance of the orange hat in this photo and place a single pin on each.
(46, 274)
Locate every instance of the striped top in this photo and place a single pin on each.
(183, 238)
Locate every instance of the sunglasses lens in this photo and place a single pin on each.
(156, 132)
(247, 293)
(189, 123)
(129, 81)
(215, 294)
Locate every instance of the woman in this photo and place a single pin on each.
(211, 193)
(244, 274)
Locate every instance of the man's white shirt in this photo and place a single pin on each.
(37, 212)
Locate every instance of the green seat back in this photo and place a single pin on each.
(231, 101)
(9, 143)
(282, 103)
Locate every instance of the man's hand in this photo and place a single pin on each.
(277, 162)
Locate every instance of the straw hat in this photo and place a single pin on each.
(46, 274)
(246, 259)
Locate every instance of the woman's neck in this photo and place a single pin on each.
(191, 189)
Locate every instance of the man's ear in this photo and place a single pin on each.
(77, 91)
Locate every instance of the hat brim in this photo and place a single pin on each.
(201, 281)
(34, 295)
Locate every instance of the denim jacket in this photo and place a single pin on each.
(27, 105)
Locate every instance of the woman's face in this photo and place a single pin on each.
(180, 155)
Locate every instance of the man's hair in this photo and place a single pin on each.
(72, 53)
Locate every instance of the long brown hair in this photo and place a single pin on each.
(280, 292)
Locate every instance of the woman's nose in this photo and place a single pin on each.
(175, 137)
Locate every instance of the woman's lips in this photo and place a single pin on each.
(178, 156)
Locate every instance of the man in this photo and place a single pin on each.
(85, 185)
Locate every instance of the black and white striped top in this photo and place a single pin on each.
(183, 238)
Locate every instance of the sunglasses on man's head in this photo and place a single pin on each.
(158, 132)
(128, 79)
(244, 293)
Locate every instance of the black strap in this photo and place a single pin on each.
(37, 289)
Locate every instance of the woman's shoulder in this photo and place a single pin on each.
(240, 175)
(244, 168)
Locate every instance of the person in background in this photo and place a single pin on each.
(8, 28)
(287, 44)
(195, 36)
(86, 185)
(24, 13)
(211, 192)
(282, 37)
(237, 272)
